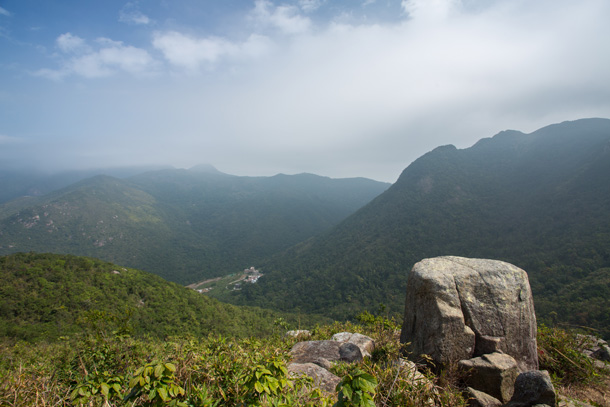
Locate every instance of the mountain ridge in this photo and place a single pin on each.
(183, 225)
(531, 200)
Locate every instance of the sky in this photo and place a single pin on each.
(340, 88)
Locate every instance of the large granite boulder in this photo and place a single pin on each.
(459, 308)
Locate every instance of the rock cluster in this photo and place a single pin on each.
(479, 314)
(314, 358)
(597, 349)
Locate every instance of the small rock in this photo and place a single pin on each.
(365, 343)
(602, 353)
(479, 399)
(532, 388)
(322, 378)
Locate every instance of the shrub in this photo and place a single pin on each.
(560, 352)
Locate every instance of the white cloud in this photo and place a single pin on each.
(5, 12)
(310, 5)
(71, 43)
(190, 52)
(109, 58)
(135, 17)
(430, 9)
(284, 18)
(131, 15)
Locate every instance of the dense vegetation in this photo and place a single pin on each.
(540, 201)
(48, 296)
(109, 369)
(184, 225)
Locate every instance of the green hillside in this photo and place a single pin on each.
(184, 225)
(47, 296)
(540, 201)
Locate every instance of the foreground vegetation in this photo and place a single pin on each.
(104, 369)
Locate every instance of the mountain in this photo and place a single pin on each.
(184, 225)
(15, 184)
(540, 201)
(45, 296)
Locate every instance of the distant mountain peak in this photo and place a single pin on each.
(207, 168)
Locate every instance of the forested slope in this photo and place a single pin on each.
(540, 201)
(46, 296)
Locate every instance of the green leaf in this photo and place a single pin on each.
(170, 366)
(163, 394)
(258, 387)
(159, 369)
(117, 387)
(347, 392)
(105, 389)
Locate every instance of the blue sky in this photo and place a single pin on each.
(336, 88)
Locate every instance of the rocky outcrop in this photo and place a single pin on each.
(459, 308)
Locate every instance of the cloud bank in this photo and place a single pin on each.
(302, 87)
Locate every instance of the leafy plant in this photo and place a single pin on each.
(98, 389)
(356, 389)
(269, 379)
(156, 382)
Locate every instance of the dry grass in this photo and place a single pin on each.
(597, 394)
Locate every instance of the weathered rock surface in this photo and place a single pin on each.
(365, 343)
(478, 398)
(322, 378)
(532, 388)
(459, 308)
(493, 374)
(312, 351)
